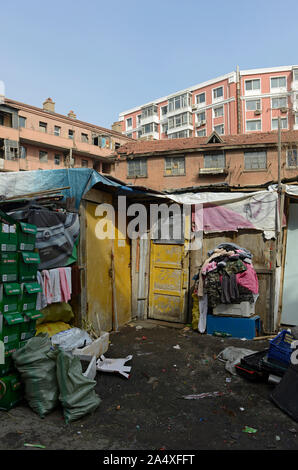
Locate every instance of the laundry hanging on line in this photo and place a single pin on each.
(56, 286)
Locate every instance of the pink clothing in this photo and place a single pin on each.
(248, 279)
(64, 286)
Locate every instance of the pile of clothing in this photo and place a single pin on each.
(226, 277)
(56, 286)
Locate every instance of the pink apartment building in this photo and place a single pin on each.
(238, 102)
(34, 138)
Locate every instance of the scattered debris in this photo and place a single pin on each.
(249, 430)
(177, 346)
(35, 445)
(203, 395)
(114, 365)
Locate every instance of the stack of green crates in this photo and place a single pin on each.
(18, 295)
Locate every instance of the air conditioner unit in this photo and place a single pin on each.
(194, 106)
(258, 112)
(201, 123)
(284, 110)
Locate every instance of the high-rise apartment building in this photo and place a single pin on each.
(238, 102)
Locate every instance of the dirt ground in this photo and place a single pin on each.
(148, 411)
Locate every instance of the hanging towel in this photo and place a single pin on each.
(64, 285)
(41, 301)
(47, 287)
(55, 285)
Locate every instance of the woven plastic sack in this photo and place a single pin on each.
(52, 328)
(38, 374)
(77, 394)
(60, 311)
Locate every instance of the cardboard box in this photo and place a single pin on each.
(28, 264)
(10, 295)
(30, 291)
(26, 236)
(8, 237)
(10, 331)
(27, 329)
(9, 267)
(11, 391)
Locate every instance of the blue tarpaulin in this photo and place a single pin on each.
(80, 181)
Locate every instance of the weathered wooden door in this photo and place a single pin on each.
(168, 282)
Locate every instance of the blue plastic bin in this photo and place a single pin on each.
(280, 347)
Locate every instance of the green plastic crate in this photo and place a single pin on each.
(28, 327)
(9, 267)
(10, 331)
(28, 265)
(29, 296)
(11, 391)
(26, 236)
(10, 295)
(8, 237)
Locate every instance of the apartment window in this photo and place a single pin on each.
(292, 158)
(220, 129)
(128, 123)
(23, 152)
(253, 85)
(57, 130)
(149, 111)
(22, 121)
(117, 145)
(43, 126)
(201, 99)
(57, 159)
(215, 160)
(283, 124)
(164, 128)
(218, 112)
(201, 133)
(296, 119)
(279, 102)
(295, 75)
(179, 135)
(137, 168)
(84, 137)
(70, 134)
(106, 167)
(218, 93)
(254, 125)
(253, 105)
(139, 119)
(43, 156)
(179, 102)
(139, 134)
(179, 120)
(148, 128)
(278, 82)
(84, 163)
(129, 135)
(174, 166)
(255, 160)
(164, 110)
(201, 117)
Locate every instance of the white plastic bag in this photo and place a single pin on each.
(71, 339)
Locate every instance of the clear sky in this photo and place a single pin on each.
(99, 58)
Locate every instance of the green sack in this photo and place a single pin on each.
(38, 374)
(77, 394)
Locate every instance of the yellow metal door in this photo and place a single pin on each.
(168, 282)
(98, 270)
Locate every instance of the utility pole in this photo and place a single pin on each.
(279, 154)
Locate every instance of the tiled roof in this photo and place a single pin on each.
(142, 147)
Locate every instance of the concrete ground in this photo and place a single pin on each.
(148, 411)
